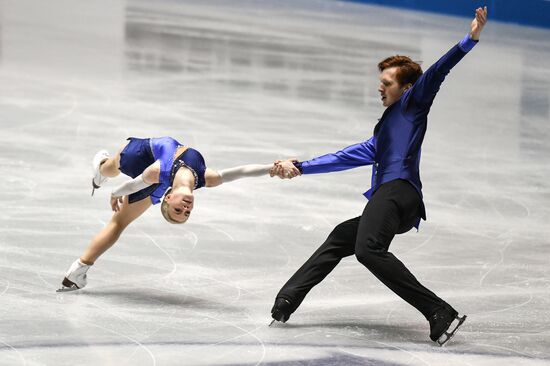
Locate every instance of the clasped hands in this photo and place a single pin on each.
(284, 169)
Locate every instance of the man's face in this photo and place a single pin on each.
(389, 89)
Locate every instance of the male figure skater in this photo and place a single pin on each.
(395, 197)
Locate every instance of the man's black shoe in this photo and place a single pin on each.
(443, 325)
(281, 310)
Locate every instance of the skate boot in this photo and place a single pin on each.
(443, 325)
(281, 310)
(98, 179)
(75, 278)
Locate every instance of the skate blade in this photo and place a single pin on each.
(447, 336)
(67, 286)
(270, 324)
(67, 289)
(94, 186)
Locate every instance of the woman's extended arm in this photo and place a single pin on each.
(215, 178)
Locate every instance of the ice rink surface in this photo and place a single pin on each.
(251, 82)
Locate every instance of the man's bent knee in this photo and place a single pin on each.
(368, 251)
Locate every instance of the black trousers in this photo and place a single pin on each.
(393, 209)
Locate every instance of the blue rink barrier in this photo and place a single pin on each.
(525, 12)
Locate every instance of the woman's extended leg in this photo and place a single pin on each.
(110, 167)
(76, 277)
(111, 232)
(104, 167)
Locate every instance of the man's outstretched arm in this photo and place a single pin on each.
(351, 157)
(423, 92)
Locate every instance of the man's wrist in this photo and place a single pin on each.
(298, 165)
(467, 43)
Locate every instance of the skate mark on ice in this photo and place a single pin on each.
(413, 356)
(388, 347)
(170, 258)
(6, 288)
(59, 116)
(426, 241)
(390, 313)
(288, 257)
(121, 318)
(112, 313)
(517, 306)
(19, 354)
(246, 332)
(225, 233)
(501, 251)
(133, 340)
(522, 354)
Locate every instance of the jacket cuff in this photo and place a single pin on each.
(298, 165)
(466, 44)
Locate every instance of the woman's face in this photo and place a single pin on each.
(180, 205)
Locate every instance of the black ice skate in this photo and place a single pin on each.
(443, 325)
(281, 310)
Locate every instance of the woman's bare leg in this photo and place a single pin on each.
(110, 167)
(111, 232)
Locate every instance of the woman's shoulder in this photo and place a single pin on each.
(212, 178)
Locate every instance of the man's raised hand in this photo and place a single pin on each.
(478, 23)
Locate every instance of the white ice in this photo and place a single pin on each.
(251, 82)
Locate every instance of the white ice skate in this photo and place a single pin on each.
(98, 179)
(75, 278)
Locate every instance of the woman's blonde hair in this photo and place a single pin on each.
(164, 209)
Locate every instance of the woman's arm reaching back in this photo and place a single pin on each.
(215, 178)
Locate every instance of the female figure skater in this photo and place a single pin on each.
(159, 167)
